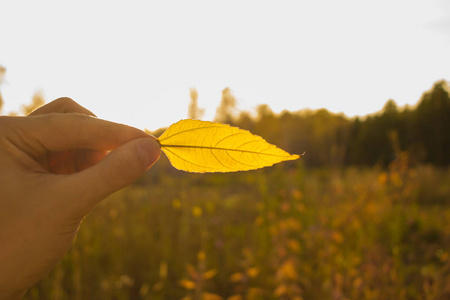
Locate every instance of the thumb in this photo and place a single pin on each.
(119, 168)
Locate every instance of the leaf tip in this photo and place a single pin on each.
(296, 156)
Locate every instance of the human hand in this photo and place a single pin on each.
(55, 168)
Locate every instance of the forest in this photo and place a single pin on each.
(336, 140)
(365, 214)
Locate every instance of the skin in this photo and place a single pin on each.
(57, 164)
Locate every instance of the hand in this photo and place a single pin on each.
(54, 169)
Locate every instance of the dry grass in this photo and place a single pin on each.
(277, 233)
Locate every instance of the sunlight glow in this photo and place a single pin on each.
(134, 63)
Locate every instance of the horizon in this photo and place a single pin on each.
(305, 110)
(211, 113)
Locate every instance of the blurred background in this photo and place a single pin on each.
(361, 87)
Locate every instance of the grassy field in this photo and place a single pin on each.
(279, 233)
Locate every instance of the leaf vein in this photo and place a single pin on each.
(212, 152)
(239, 162)
(227, 137)
(224, 149)
(183, 159)
(183, 131)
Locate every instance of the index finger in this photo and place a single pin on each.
(61, 105)
(59, 132)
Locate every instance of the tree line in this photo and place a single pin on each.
(422, 132)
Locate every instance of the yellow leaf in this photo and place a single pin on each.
(209, 274)
(280, 290)
(252, 272)
(187, 284)
(200, 146)
(210, 296)
(201, 255)
(237, 277)
(287, 271)
(197, 211)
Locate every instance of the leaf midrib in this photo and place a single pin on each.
(225, 149)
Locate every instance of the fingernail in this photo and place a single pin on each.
(149, 151)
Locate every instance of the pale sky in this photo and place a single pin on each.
(134, 62)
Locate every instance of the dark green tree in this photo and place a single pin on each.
(432, 124)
